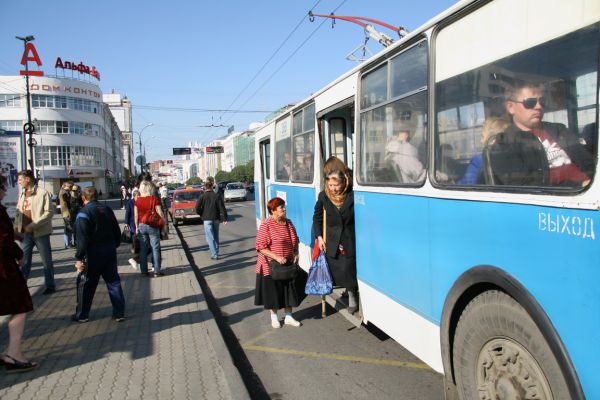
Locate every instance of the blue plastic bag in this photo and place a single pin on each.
(319, 279)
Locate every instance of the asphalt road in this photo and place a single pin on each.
(325, 358)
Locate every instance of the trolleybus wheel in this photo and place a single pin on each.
(500, 353)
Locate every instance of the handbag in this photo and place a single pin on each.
(282, 272)
(154, 219)
(319, 280)
(126, 234)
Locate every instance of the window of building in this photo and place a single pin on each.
(11, 100)
(14, 126)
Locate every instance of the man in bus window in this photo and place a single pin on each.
(284, 172)
(535, 153)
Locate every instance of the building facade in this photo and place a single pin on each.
(77, 138)
(120, 107)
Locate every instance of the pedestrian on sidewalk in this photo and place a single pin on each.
(76, 206)
(123, 197)
(64, 199)
(33, 225)
(98, 236)
(277, 240)
(149, 235)
(15, 299)
(130, 224)
(211, 208)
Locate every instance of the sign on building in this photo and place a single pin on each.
(214, 149)
(182, 151)
(10, 148)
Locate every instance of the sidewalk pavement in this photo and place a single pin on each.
(169, 346)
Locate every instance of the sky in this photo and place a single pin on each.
(182, 62)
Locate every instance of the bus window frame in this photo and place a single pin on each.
(433, 136)
(414, 42)
(300, 112)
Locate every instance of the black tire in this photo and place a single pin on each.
(500, 352)
(175, 222)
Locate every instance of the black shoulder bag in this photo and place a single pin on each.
(283, 272)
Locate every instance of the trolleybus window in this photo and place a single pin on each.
(303, 139)
(393, 120)
(283, 155)
(524, 121)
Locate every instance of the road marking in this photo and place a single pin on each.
(252, 342)
(338, 357)
(251, 345)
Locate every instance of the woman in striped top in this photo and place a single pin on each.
(277, 240)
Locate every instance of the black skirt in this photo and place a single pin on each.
(279, 294)
(343, 271)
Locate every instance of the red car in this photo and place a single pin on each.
(183, 206)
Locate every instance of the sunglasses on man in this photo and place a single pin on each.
(531, 102)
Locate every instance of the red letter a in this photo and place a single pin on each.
(31, 54)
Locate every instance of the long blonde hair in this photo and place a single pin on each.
(146, 189)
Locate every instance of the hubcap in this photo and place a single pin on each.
(507, 371)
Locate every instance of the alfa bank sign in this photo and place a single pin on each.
(31, 54)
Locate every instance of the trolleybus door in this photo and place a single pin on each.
(264, 189)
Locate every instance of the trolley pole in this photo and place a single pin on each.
(28, 128)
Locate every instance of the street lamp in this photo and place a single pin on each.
(28, 128)
(140, 142)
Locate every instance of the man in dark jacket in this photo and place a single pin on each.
(536, 153)
(211, 207)
(98, 236)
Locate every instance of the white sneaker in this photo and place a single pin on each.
(133, 263)
(275, 323)
(291, 321)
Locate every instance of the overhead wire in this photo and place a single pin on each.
(261, 69)
(285, 61)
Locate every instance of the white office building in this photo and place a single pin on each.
(77, 137)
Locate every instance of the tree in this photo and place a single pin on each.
(222, 176)
(193, 181)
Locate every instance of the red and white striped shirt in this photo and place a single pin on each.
(280, 239)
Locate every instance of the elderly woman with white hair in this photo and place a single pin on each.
(149, 235)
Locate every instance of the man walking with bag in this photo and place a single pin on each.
(211, 207)
(98, 236)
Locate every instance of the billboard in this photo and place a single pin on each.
(182, 151)
(10, 149)
(214, 149)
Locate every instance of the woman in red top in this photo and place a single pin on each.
(15, 299)
(148, 235)
(277, 239)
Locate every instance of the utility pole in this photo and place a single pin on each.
(28, 128)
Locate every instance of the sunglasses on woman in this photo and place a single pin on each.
(531, 102)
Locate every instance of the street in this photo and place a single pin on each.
(328, 355)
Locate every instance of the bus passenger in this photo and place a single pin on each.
(491, 127)
(405, 158)
(335, 206)
(536, 153)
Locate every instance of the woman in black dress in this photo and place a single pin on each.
(335, 205)
(15, 299)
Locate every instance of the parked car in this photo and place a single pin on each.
(235, 191)
(183, 207)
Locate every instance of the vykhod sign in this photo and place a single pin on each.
(31, 54)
